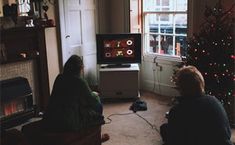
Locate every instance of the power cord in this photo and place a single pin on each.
(110, 120)
(154, 72)
(158, 75)
(158, 80)
(151, 125)
(154, 84)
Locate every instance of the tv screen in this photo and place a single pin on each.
(118, 48)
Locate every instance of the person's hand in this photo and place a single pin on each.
(96, 93)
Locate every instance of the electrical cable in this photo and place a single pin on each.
(151, 125)
(154, 72)
(158, 80)
(154, 84)
(110, 120)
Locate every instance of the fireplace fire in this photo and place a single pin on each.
(16, 102)
(12, 107)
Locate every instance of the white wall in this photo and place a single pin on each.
(157, 78)
(52, 55)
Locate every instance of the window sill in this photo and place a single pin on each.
(153, 57)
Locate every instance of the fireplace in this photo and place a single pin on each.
(16, 102)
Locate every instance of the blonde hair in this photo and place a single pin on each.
(189, 81)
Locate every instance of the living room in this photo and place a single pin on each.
(62, 21)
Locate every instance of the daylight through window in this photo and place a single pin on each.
(165, 26)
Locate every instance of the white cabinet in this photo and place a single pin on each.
(119, 82)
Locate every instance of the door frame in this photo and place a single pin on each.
(62, 30)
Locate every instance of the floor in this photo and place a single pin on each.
(131, 129)
(128, 128)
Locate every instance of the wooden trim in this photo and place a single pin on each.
(29, 43)
(43, 70)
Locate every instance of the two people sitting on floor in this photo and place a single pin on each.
(197, 118)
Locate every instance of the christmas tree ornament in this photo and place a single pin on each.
(211, 50)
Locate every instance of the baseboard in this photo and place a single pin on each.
(159, 88)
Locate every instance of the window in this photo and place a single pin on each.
(165, 27)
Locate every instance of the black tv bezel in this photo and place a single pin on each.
(99, 45)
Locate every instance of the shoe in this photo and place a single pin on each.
(104, 137)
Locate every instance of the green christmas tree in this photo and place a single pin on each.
(212, 52)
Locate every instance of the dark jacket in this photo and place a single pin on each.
(198, 121)
(72, 105)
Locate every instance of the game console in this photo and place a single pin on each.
(138, 105)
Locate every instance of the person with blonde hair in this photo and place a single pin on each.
(196, 118)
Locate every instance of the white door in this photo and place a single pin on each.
(77, 22)
(78, 33)
(70, 25)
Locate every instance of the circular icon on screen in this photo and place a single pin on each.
(129, 52)
(107, 54)
(129, 42)
(107, 45)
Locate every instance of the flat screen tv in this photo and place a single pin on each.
(118, 49)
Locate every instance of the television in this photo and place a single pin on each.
(118, 49)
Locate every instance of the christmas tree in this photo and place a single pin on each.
(212, 52)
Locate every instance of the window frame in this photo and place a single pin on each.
(146, 52)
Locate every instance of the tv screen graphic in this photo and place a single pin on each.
(118, 48)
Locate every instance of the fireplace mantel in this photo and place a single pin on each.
(28, 43)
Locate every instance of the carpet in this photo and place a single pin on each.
(131, 129)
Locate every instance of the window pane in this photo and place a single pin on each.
(158, 2)
(181, 5)
(165, 9)
(154, 43)
(165, 28)
(151, 5)
(181, 24)
(153, 28)
(152, 23)
(180, 45)
(166, 45)
(166, 23)
(165, 3)
(164, 18)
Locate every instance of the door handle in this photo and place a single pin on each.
(67, 36)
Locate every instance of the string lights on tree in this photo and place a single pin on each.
(212, 52)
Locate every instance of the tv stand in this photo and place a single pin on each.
(118, 65)
(119, 82)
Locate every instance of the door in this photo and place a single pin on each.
(77, 21)
(78, 33)
(70, 22)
